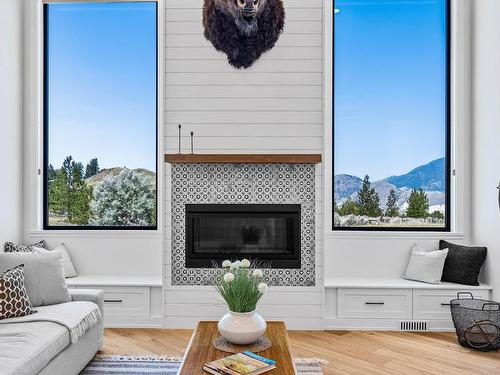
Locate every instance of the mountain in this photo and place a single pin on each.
(344, 185)
(430, 177)
(99, 177)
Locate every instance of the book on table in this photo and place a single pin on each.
(246, 363)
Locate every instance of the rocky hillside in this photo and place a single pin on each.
(345, 185)
(99, 177)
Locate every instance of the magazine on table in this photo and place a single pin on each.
(246, 363)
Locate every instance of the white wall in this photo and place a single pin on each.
(486, 145)
(11, 117)
(273, 107)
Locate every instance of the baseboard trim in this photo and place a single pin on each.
(133, 322)
(381, 325)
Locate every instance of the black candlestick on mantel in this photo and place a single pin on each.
(192, 140)
(180, 126)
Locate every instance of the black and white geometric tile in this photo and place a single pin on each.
(243, 183)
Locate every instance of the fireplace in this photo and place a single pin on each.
(269, 233)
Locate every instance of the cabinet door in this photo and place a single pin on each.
(435, 304)
(125, 301)
(374, 303)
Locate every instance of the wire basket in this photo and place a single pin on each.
(477, 322)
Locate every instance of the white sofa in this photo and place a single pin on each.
(43, 347)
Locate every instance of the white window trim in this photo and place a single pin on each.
(33, 186)
(460, 130)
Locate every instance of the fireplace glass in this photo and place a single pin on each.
(268, 233)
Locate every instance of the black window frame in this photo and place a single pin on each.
(449, 211)
(45, 136)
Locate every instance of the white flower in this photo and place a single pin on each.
(245, 263)
(228, 277)
(263, 288)
(257, 273)
(226, 264)
(236, 264)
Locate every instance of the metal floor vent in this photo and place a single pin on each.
(413, 325)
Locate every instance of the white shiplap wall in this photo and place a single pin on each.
(274, 107)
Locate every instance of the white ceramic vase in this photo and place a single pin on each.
(242, 328)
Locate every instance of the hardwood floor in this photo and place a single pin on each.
(347, 352)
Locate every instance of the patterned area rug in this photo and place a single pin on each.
(125, 365)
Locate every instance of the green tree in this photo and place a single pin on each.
(68, 194)
(368, 200)
(92, 168)
(51, 173)
(59, 193)
(418, 204)
(80, 196)
(437, 215)
(392, 206)
(349, 207)
(154, 212)
(127, 199)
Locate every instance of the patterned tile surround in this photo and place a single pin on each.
(243, 183)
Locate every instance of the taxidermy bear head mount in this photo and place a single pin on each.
(243, 29)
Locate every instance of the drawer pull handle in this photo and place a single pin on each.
(113, 300)
(374, 303)
(445, 304)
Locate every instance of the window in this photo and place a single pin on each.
(100, 115)
(391, 121)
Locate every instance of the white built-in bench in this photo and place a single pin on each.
(129, 301)
(392, 303)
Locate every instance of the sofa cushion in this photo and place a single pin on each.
(14, 300)
(28, 347)
(43, 276)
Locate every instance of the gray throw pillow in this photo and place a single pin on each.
(69, 269)
(43, 276)
(463, 263)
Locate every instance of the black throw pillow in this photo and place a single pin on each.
(463, 263)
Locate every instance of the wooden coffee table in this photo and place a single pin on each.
(200, 349)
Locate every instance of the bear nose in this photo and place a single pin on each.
(248, 7)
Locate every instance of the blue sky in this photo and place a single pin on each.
(389, 86)
(102, 84)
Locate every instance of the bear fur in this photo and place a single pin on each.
(242, 38)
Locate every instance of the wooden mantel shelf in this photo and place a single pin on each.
(244, 158)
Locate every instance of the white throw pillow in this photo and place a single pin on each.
(69, 269)
(426, 266)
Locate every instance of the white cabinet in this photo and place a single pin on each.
(374, 303)
(129, 301)
(435, 304)
(126, 301)
(392, 304)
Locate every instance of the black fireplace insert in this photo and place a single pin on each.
(269, 233)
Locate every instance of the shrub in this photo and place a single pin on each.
(126, 199)
(348, 208)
